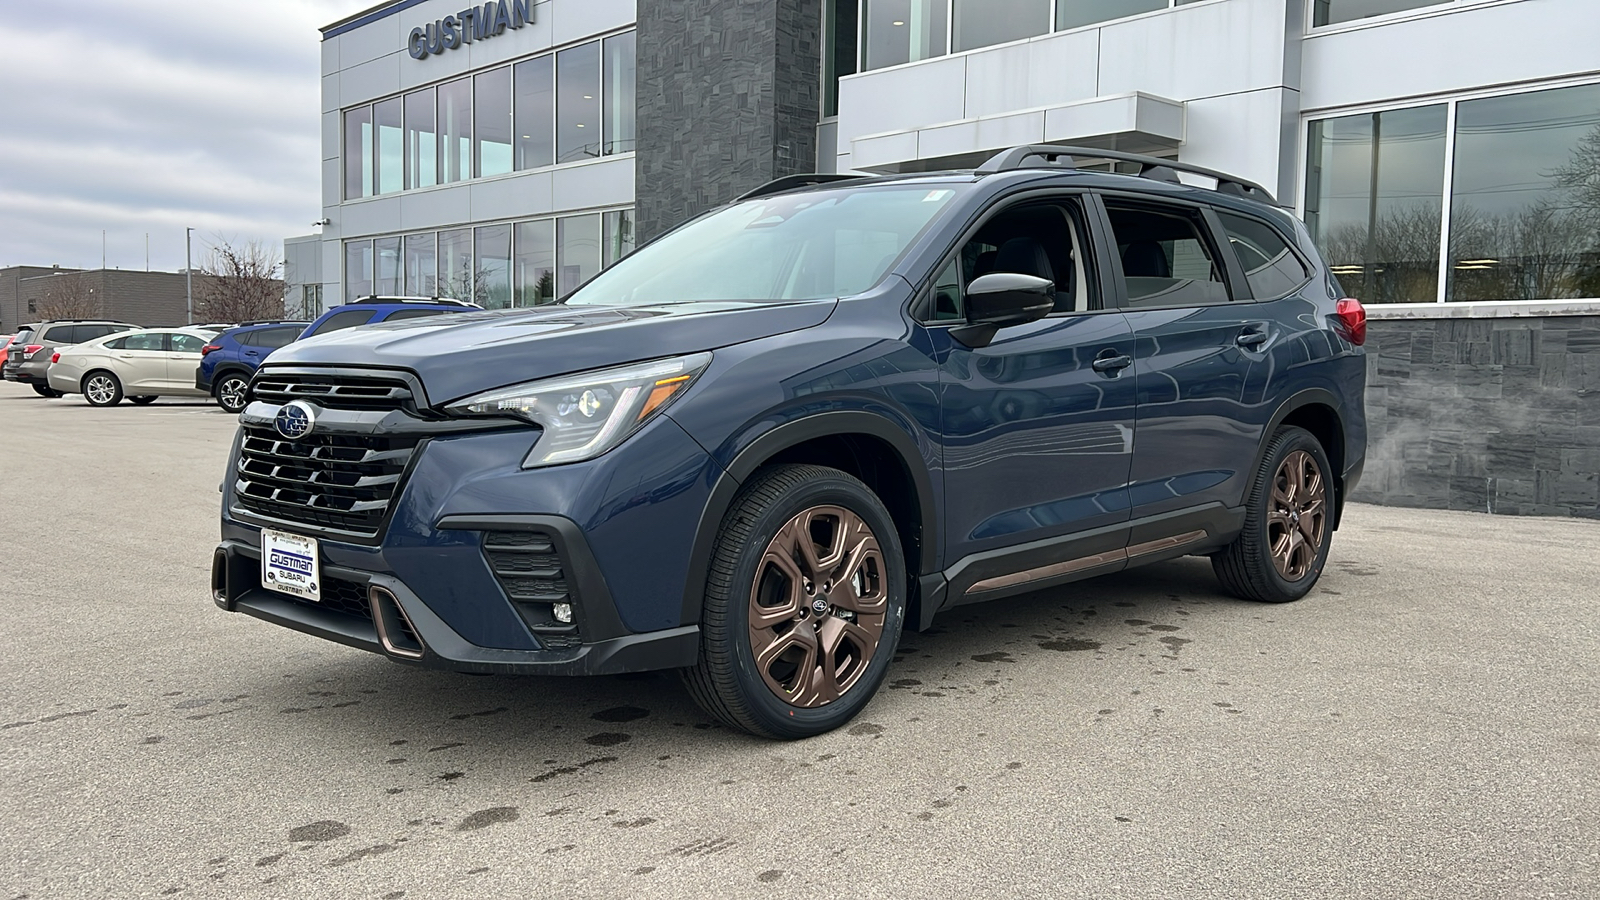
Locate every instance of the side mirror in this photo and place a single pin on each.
(1003, 299)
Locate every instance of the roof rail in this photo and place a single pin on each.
(443, 301)
(790, 182)
(1152, 167)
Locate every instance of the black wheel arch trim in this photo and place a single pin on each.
(841, 423)
(1300, 400)
(223, 371)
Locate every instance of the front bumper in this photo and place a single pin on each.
(399, 625)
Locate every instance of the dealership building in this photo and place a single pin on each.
(1445, 155)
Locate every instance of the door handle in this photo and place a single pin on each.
(1251, 338)
(1111, 363)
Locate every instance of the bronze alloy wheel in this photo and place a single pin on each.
(1298, 515)
(817, 606)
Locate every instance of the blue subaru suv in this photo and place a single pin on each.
(227, 363)
(765, 443)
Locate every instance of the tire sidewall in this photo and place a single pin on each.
(769, 710)
(1295, 439)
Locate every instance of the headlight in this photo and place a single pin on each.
(585, 415)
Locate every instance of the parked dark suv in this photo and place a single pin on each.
(763, 443)
(28, 361)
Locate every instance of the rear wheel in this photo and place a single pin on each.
(142, 400)
(102, 389)
(230, 393)
(46, 391)
(804, 604)
(1288, 525)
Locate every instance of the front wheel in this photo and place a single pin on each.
(1288, 523)
(805, 599)
(47, 391)
(230, 393)
(102, 389)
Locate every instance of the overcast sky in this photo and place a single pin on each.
(135, 116)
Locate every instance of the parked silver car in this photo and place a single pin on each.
(140, 365)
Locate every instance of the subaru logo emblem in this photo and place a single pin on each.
(295, 420)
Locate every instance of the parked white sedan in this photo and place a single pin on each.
(139, 365)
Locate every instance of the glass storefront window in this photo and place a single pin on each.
(535, 263)
(620, 88)
(358, 153)
(455, 263)
(386, 122)
(1374, 201)
(840, 25)
(577, 251)
(421, 150)
(491, 136)
(1525, 198)
(1076, 13)
(901, 31)
(619, 235)
(455, 131)
(982, 23)
(492, 276)
(357, 270)
(386, 266)
(1333, 12)
(421, 265)
(578, 103)
(535, 90)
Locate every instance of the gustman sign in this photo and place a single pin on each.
(475, 23)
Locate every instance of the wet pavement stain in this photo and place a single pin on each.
(1176, 643)
(324, 830)
(269, 859)
(487, 712)
(769, 876)
(866, 728)
(363, 853)
(607, 739)
(448, 746)
(451, 776)
(1067, 645)
(571, 770)
(997, 656)
(635, 823)
(620, 714)
(483, 818)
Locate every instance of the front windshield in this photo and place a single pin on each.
(805, 246)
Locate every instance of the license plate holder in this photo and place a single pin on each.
(289, 565)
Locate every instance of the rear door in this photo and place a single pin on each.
(1200, 343)
(141, 361)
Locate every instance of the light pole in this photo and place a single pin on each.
(188, 274)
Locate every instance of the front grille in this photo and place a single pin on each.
(341, 391)
(530, 570)
(334, 481)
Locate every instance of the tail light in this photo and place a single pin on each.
(209, 348)
(55, 357)
(30, 350)
(1353, 319)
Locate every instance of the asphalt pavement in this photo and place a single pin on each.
(1425, 724)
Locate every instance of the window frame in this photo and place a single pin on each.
(922, 305)
(1288, 240)
(1233, 278)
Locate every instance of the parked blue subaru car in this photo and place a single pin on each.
(764, 443)
(229, 362)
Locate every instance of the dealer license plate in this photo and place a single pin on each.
(289, 564)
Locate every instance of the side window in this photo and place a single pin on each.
(399, 314)
(187, 343)
(948, 302)
(118, 344)
(250, 338)
(60, 334)
(1166, 259)
(276, 337)
(1044, 239)
(150, 340)
(349, 318)
(1271, 267)
(99, 331)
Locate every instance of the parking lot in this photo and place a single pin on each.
(1425, 724)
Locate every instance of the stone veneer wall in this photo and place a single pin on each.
(729, 97)
(1498, 415)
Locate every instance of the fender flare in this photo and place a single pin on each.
(1300, 400)
(776, 440)
(227, 369)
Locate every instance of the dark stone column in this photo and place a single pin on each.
(728, 100)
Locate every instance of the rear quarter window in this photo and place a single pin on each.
(276, 337)
(1272, 268)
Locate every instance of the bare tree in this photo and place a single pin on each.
(238, 283)
(68, 297)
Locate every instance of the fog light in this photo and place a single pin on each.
(562, 612)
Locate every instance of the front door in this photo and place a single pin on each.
(183, 357)
(1037, 425)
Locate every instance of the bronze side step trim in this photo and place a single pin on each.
(1086, 562)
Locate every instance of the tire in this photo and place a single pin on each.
(770, 518)
(142, 400)
(101, 388)
(230, 392)
(47, 391)
(1288, 523)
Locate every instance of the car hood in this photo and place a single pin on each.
(460, 354)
